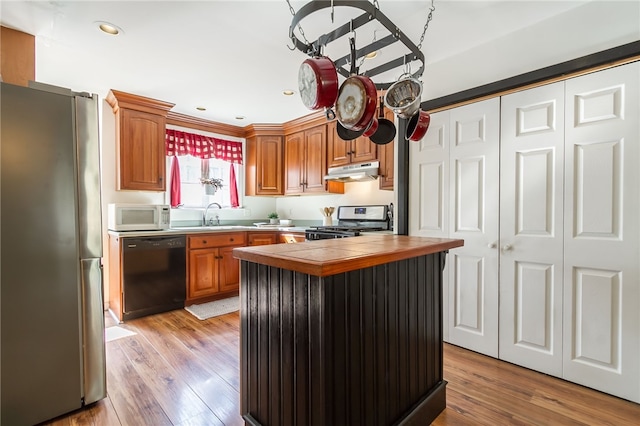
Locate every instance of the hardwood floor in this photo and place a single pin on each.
(178, 370)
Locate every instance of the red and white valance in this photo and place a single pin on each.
(183, 143)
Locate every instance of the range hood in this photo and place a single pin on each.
(354, 172)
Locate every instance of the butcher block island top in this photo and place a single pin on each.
(333, 256)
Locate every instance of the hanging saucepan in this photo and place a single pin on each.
(356, 103)
(318, 83)
(371, 128)
(403, 97)
(386, 129)
(417, 126)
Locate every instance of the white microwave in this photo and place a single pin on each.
(138, 217)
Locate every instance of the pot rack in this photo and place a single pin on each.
(371, 13)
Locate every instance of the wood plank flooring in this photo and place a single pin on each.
(178, 370)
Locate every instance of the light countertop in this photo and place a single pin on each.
(207, 229)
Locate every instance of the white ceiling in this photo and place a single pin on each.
(232, 56)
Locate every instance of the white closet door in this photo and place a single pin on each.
(531, 231)
(601, 276)
(473, 269)
(429, 192)
(429, 180)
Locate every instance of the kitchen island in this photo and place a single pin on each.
(343, 331)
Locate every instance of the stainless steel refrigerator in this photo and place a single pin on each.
(52, 320)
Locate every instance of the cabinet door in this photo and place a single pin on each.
(269, 165)
(315, 159)
(601, 265)
(261, 238)
(289, 238)
(338, 150)
(531, 228)
(203, 273)
(229, 269)
(142, 151)
(473, 217)
(294, 148)
(362, 149)
(386, 156)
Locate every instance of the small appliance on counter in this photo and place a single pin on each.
(138, 217)
(352, 221)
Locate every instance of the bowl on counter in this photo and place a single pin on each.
(286, 222)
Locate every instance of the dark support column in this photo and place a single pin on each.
(402, 166)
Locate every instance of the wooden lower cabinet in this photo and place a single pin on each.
(262, 238)
(291, 237)
(212, 270)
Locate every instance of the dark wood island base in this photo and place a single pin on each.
(343, 332)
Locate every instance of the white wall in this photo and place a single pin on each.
(307, 207)
(586, 29)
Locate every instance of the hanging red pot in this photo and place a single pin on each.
(371, 129)
(356, 103)
(318, 83)
(417, 126)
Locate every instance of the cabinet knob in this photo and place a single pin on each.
(231, 239)
(204, 241)
(506, 247)
(492, 245)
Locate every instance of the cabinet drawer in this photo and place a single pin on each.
(217, 240)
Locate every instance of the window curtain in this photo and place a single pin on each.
(176, 198)
(183, 143)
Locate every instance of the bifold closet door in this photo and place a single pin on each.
(429, 192)
(531, 228)
(601, 273)
(472, 276)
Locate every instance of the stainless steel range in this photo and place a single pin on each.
(352, 221)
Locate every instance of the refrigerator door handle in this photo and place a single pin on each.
(88, 180)
(94, 358)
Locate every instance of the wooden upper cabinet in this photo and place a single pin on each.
(140, 141)
(293, 160)
(315, 159)
(386, 157)
(263, 171)
(342, 153)
(306, 161)
(17, 57)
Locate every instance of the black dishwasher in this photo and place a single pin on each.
(154, 275)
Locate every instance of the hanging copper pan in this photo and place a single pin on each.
(318, 83)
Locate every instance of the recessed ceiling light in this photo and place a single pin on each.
(108, 28)
(371, 55)
(240, 117)
(288, 92)
(201, 108)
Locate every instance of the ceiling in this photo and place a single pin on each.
(232, 57)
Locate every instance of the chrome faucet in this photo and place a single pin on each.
(204, 216)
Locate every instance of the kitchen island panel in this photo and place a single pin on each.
(358, 347)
